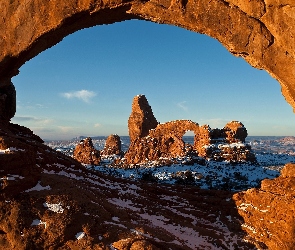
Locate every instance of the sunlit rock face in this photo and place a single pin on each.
(269, 211)
(112, 146)
(166, 140)
(227, 144)
(141, 119)
(50, 201)
(86, 153)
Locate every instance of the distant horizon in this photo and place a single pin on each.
(84, 136)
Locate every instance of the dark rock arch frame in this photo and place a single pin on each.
(259, 31)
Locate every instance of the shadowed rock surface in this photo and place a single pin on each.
(52, 202)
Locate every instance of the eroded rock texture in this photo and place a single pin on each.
(166, 140)
(86, 153)
(112, 146)
(141, 119)
(224, 144)
(262, 32)
(269, 212)
(22, 158)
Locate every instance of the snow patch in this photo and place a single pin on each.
(80, 235)
(38, 222)
(38, 187)
(11, 149)
(57, 208)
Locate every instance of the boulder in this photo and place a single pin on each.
(86, 153)
(227, 144)
(112, 146)
(235, 132)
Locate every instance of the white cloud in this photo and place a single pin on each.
(65, 129)
(24, 119)
(183, 105)
(97, 125)
(84, 95)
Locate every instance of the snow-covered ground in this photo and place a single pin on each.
(272, 154)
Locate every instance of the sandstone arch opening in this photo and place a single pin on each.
(183, 75)
(263, 34)
(253, 30)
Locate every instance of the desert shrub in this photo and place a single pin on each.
(238, 176)
(184, 178)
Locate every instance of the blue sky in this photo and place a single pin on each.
(85, 84)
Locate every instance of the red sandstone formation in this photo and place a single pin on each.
(262, 32)
(235, 132)
(112, 146)
(224, 144)
(269, 211)
(22, 159)
(141, 119)
(165, 140)
(86, 153)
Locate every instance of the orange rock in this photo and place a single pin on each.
(86, 153)
(50, 201)
(149, 143)
(112, 146)
(269, 211)
(261, 32)
(141, 119)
